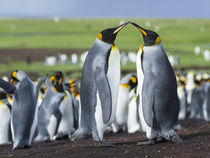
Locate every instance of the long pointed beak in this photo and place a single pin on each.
(120, 27)
(140, 28)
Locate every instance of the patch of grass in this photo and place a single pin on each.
(179, 36)
(176, 34)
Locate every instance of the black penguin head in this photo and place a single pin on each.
(110, 34)
(59, 76)
(150, 37)
(133, 81)
(3, 95)
(57, 80)
(14, 77)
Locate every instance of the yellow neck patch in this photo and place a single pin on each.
(114, 46)
(135, 97)
(60, 81)
(52, 79)
(55, 89)
(133, 79)
(1, 103)
(125, 85)
(14, 74)
(158, 40)
(141, 48)
(100, 36)
(71, 81)
(181, 88)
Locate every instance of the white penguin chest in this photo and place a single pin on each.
(122, 105)
(140, 75)
(4, 123)
(113, 76)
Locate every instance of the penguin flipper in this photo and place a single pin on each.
(41, 81)
(58, 117)
(104, 91)
(148, 97)
(7, 86)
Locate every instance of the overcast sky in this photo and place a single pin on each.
(106, 8)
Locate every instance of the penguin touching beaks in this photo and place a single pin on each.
(24, 109)
(99, 86)
(157, 88)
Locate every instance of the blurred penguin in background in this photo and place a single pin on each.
(182, 94)
(5, 115)
(24, 107)
(127, 84)
(197, 99)
(133, 122)
(74, 87)
(55, 112)
(206, 102)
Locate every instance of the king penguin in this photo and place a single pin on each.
(24, 109)
(159, 103)
(49, 114)
(99, 86)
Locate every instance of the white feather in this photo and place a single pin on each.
(4, 123)
(113, 75)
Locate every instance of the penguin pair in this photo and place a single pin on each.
(55, 112)
(127, 84)
(157, 88)
(24, 109)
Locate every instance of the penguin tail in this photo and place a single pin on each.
(78, 135)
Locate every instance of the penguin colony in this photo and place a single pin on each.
(152, 101)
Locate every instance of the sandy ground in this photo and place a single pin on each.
(195, 135)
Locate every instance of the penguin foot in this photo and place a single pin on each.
(78, 135)
(61, 137)
(148, 142)
(39, 139)
(176, 139)
(105, 144)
